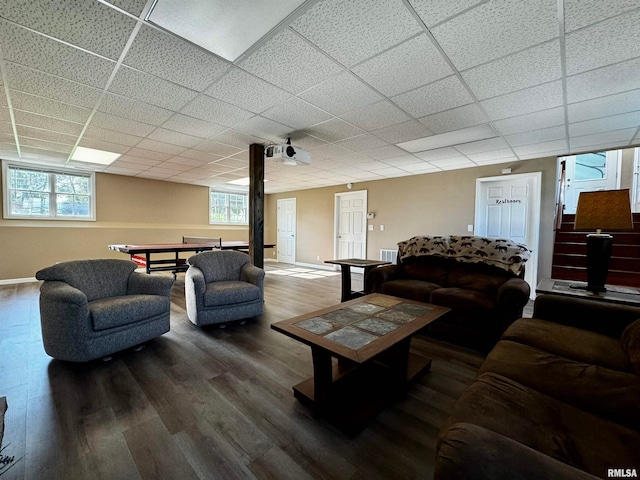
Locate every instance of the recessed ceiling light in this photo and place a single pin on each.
(91, 155)
(225, 28)
(464, 135)
(242, 181)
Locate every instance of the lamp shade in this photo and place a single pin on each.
(604, 210)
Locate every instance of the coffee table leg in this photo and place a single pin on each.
(398, 360)
(322, 378)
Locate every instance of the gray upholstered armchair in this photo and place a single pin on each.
(222, 286)
(93, 308)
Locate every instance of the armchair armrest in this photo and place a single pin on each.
(56, 291)
(589, 314)
(377, 276)
(252, 274)
(471, 451)
(141, 284)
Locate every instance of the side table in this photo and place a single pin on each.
(613, 294)
(345, 268)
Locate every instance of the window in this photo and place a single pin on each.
(31, 192)
(228, 207)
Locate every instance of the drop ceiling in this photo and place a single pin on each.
(346, 80)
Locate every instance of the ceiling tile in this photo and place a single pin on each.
(153, 90)
(605, 124)
(455, 119)
(174, 138)
(435, 97)
(419, 168)
(158, 146)
(192, 126)
(403, 132)
(580, 13)
(361, 142)
(174, 59)
(609, 105)
(246, 91)
(433, 12)
(618, 137)
(264, 127)
(120, 124)
(531, 121)
(47, 123)
(45, 135)
(328, 152)
(388, 151)
(495, 29)
(50, 108)
(541, 97)
(45, 145)
(520, 70)
(237, 139)
(481, 146)
(412, 64)
(376, 116)
(341, 94)
(612, 41)
(132, 6)
(39, 83)
(214, 148)
(333, 130)
(133, 109)
(88, 25)
(491, 156)
(35, 51)
(453, 163)
(296, 113)
(148, 154)
(286, 53)
(43, 156)
(112, 136)
(603, 81)
(216, 111)
(404, 161)
(341, 30)
(537, 136)
(201, 156)
(306, 142)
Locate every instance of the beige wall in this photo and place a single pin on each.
(128, 210)
(429, 204)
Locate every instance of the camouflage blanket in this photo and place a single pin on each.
(499, 252)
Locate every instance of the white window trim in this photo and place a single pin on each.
(213, 190)
(6, 198)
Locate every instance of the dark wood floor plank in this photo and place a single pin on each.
(208, 402)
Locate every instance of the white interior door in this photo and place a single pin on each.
(590, 172)
(351, 225)
(509, 207)
(287, 230)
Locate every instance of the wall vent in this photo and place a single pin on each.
(389, 255)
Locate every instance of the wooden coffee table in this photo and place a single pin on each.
(370, 338)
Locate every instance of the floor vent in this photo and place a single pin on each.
(388, 255)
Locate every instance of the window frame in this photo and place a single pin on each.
(228, 207)
(51, 172)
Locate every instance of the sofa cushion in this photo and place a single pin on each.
(418, 290)
(552, 427)
(584, 345)
(608, 393)
(463, 300)
(429, 268)
(479, 277)
(230, 292)
(117, 311)
(631, 344)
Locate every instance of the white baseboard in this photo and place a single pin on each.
(11, 281)
(315, 265)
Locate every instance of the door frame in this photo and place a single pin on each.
(531, 269)
(295, 243)
(336, 223)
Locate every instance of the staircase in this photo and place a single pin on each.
(570, 248)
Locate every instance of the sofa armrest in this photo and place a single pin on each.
(513, 295)
(143, 284)
(377, 276)
(469, 451)
(597, 316)
(252, 274)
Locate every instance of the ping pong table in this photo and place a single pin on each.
(141, 253)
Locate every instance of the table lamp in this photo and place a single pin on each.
(602, 210)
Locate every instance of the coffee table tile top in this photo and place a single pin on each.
(358, 325)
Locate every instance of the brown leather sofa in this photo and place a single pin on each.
(558, 397)
(484, 298)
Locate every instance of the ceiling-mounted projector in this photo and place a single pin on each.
(288, 154)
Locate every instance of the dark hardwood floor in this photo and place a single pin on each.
(208, 403)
